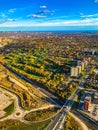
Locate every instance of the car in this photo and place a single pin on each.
(94, 113)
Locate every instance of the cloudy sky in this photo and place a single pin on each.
(49, 14)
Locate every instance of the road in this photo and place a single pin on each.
(59, 120)
(25, 88)
(84, 127)
(37, 86)
(18, 109)
(17, 106)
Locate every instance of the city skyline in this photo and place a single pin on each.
(49, 15)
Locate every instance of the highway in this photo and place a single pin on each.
(17, 106)
(59, 120)
(53, 98)
(18, 109)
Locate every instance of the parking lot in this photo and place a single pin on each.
(93, 111)
(93, 108)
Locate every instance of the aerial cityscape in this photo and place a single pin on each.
(49, 65)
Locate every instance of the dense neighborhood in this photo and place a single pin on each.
(48, 78)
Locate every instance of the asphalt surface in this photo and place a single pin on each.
(59, 120)
(50, 95)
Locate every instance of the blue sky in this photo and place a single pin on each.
(49, 14)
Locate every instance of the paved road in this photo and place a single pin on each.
(58, 122)
(16, 105)
(49, 95)
(84, 127)
(25, 88)
(18, 109)
(61, 116)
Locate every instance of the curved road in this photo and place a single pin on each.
(84, 127)
(53, 98)
(19, 109)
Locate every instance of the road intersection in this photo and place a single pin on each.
(60, 117)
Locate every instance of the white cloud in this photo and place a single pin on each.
(43, 6)
(86, 21)
(90, 15)
(30, 22)
(37, 16)
(6, 20)
(10, 20)
(96, 1)
(3, 15)
(11, 10)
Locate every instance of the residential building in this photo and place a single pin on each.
(74, 72)
(79, 69)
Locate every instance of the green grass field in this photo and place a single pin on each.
(41, 126)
